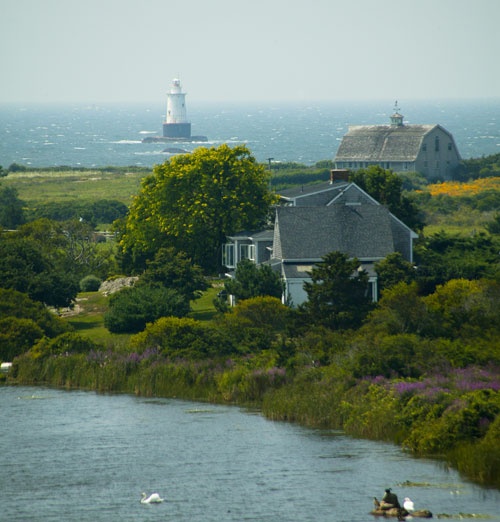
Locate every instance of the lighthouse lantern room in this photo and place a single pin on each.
(176, 124)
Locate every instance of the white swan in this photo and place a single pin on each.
(154, 498)
(408, 504)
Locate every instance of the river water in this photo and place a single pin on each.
(81, 456)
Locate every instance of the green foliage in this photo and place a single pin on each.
(249, 383)
(337, 293)
(23, 322)
(25, 267)
(462, 308)
(100, 211)
(71, 246)
(90, 283)
(484, 167)
(493, 226)
(192, 202)
(132, 308)
(19, 305)
(254, 324)
(399, 311)
(394, 269)
(176, 271)
(11, 208)
(450, 422)
(251, 280)
(386, 187)
(17, 336)
(442, 257)
(64, 344)
(181, 338)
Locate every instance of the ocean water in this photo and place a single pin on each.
(111, 134)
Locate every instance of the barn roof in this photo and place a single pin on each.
(382, 142)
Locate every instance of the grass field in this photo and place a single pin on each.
(44, 186)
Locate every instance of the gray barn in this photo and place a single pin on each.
(400, 147)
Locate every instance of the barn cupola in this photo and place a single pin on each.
(396, 118)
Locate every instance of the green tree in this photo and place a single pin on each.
(254, 324)
(493, 227)
(443, 257)
(251, 280)
(24, 267)
(394, 269)
(337, 293)
(17, 336)
(17, 304)
(71, 246)
(181, 337)
(11, 208)
(192, 202)
(387, 188)
(399, 311)
(462, 308)
(132, 308)
(174, 270)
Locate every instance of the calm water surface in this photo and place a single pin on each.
(78, 456)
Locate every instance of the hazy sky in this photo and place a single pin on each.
(250, 51)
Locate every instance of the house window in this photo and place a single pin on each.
(228, 255)
(424, 147)
(247, 252)
(449, 146)
(436, 144)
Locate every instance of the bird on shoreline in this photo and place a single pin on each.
(408, 504)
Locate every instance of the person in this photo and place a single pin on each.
(389, 500)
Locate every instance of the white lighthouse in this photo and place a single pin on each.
(176, 123)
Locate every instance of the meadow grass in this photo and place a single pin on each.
(87, 319)
(48, 187)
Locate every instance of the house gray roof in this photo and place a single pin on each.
(309, 233)
(325, 191)
(382, 142)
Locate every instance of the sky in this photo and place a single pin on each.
(226, 51)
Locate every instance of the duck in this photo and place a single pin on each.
(154, 498)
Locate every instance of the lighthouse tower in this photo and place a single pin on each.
(176, 124)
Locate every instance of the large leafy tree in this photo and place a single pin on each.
(337, 293)
(192, 202)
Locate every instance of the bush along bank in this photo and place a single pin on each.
(454, 417)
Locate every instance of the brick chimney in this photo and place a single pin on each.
(339, 175)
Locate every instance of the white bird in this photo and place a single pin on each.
(154, 498)
(408, 504)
